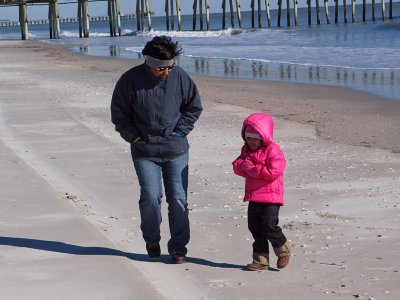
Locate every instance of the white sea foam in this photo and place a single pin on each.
(193, 34)
(69, 34)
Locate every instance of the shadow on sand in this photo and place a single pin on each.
(60, 247)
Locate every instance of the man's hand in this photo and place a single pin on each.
(175, 134)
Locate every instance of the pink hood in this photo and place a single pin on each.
(263, 124)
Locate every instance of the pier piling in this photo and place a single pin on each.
(23, 20)
(239, 16)
(194, 14)
(317, 12)
(280, 12)
(383, 9)
(148, 13)
(268, 13)
(54, 20)
(328, 21)
(373, 10)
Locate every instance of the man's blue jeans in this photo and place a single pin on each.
(174, 174)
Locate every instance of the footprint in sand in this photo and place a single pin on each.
(215, 283)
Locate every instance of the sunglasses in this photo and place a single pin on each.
(161, 69)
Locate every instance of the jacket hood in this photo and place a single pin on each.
(263, 124)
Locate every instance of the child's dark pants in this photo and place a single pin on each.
(263, 221)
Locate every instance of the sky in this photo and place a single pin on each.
(127, 6)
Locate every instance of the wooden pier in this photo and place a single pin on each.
(83, 18)
(201, 10)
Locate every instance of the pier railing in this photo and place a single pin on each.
(5, 23)
(201, 10)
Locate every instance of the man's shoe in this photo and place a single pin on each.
(153, 250)
(178, 258)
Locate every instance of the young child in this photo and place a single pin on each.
(262, 163)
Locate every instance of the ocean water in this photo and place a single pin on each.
(363, 56)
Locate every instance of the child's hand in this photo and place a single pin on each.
(247, 165)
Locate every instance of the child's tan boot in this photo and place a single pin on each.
(260, 262)
(283, 254)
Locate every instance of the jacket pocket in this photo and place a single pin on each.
(162, 147)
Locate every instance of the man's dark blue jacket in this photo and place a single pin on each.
(161, 112)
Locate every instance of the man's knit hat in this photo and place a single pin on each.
(250, 132)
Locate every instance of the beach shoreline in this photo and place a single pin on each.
(337, 113)
(70, 223)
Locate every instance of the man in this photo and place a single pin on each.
(154, 107)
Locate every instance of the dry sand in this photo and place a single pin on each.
(69, 215)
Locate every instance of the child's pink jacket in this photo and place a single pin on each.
(262, 168)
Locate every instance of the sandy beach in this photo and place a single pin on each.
(69, 218)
